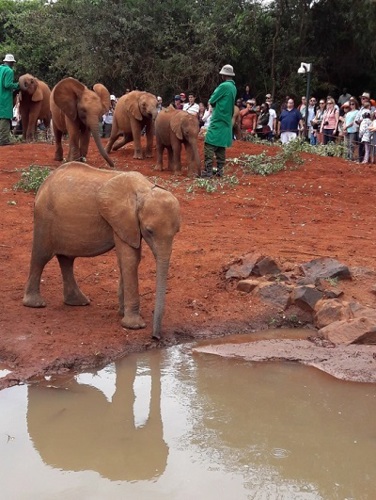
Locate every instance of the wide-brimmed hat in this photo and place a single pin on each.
(227, 70)
(9, 58)
(366, 95)
(250, 101)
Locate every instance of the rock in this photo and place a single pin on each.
(306, 297)
(244, 266)
(329, 311)
(276, 294)
(247, 285)
(353, 331)
(264, 266)
(326, 267)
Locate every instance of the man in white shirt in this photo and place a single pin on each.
(191, 106)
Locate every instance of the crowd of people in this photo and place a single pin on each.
(350, 120)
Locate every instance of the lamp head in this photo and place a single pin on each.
(304, 68)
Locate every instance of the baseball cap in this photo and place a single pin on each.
(182, 95)
(177, 97)
(268, 96)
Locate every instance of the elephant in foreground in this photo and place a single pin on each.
(134, 112)
(77, 110)
(34, 104)
(81, 211)
(172, 129)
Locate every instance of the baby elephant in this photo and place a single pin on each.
(172, 129)
(81, 211)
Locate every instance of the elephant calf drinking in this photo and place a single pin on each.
(81, 211)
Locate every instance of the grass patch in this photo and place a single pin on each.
(31, 178)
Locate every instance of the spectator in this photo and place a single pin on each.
(329, 123)
(16, 119)
(246, 95)
(108, 117)
(262, 127)
(365, 134)
(364, 108)
(272, 105)
(317, 120)
(201, 113)
(207, 116)
(290, 121)
(248, 119)
(350, 128)
(177, 102)
(311, 136)
(239, 103)
(373, 140)
(302, 106)
(183, 98)
(7, 86)
(159, 104)
(219, 135)
(272, 121)
(191, 106)
(344, 97)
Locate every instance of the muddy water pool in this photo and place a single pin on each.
(175, 425)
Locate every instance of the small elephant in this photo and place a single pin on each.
(173, 128)
(77, 110)
(81, 211)
(34, 105)
(134, 112)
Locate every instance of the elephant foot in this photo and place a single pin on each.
(58, 158)
(138, 156)
(133, 321)
(76, 298)
(148, 154)
(33, 300)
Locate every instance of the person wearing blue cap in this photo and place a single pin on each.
(177, 102)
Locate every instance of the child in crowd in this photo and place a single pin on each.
(365, 134)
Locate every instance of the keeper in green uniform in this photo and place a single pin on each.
(7, 86)
(219, 135)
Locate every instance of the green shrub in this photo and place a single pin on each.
(31, 178)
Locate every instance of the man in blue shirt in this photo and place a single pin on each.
(290, 122)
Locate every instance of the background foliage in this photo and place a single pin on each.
(175, 45)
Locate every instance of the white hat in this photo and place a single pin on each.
(227, 70)
(9, 58)
(112, 97)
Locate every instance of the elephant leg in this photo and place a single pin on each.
(58, 134)
(32, 125)
(84, 144)
(149, 140)
(129, 260)
(136, 134)
(170, 159)
(72, 294)
(25, 126)
(176, 148)
(74, 142)
(39, 259)
(160, 149)
(126, 138)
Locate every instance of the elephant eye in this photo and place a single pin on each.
(149, 230)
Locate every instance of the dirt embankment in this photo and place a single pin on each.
(324, 208)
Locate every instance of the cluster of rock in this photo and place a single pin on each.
(310, 287)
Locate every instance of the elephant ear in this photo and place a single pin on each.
(104, 96)
(175, 124)
(132, 104)
(67, 93)
(38, 94)
(117, 203)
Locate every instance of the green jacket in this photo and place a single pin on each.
(7, 86)
(220, 128)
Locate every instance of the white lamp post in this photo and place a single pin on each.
(306, 68)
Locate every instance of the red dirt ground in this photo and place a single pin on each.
(324, 208)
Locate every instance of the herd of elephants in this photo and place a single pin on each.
(74, 109)
(81, 211)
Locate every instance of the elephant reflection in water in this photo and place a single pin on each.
(75, 428)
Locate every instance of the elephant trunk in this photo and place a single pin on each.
(196, 158)
(162, 271)
(95, 133)
(23, 81)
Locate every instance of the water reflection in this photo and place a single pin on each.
(76, 427)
